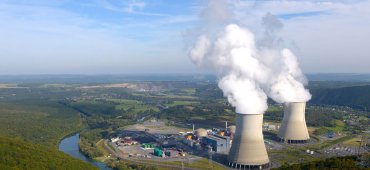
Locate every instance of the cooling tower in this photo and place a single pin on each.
(248, 149)
(293, 128)
(200, 132)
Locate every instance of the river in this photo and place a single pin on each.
(69, 145)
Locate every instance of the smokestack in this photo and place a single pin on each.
(293, 128)
(248, 149)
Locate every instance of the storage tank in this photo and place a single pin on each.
(248, 149)
(293, 128)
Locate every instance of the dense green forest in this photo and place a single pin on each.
(355, 96)
(38, 121)
(30, 131)
(16, 154)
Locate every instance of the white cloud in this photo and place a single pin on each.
(332, 36)
(41, 32)
(133, 5)
(128, 6)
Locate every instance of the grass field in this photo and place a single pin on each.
(133, 106)
(180, 97)
(202, 163)
(339, 126)
(181, 102)
(125, 101)
(189, 91)
(354, 142)
(290, 156)
(332, 142)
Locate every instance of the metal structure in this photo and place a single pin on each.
(293, 128)
(248, 149)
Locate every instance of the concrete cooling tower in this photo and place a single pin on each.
(248, 149)
(200, 132)
(293, 128)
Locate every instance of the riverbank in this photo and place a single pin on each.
(69, 145)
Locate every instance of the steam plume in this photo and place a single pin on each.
(249, 72)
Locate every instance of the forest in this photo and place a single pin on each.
(31, 128)
(38, 121)
(17, 154)
(357, 96)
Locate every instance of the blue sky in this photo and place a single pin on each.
(147, 36)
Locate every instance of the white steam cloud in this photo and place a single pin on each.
(248, 71)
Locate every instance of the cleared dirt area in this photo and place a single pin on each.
(5, 86)
(159, 127)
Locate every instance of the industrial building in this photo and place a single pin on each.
(218, 143)
(188, 142)
(293, 128)
(248, 149)
(169, 144)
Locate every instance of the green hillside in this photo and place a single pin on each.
(30, 131)
(355, 96)
(16, 154)
(38, 121)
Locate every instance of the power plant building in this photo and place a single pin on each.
(248, 149)
(217, 143)
(293, 128)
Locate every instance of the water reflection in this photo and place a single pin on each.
(69, 145)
